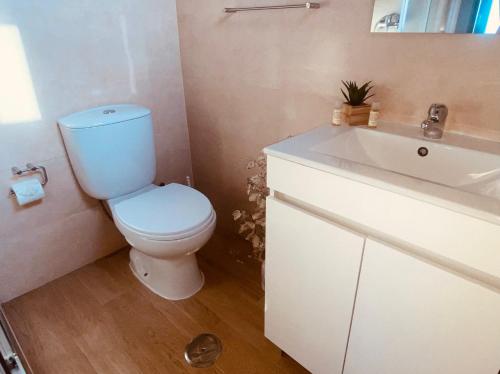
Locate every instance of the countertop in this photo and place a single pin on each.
(300, 149)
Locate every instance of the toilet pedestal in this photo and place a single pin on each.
(173, 278)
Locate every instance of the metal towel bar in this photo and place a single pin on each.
(306, 5)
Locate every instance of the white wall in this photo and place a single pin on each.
(57, 57)
(254, 78)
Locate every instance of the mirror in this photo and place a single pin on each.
(437, 16)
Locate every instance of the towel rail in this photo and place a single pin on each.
(307, 5)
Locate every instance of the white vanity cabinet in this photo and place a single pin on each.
(339, 301)
(312, 268)
(413, 317)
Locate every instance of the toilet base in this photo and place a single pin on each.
(173, 279)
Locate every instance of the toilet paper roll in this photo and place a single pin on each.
(28, 190)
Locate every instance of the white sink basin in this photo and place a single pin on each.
(460, 173)
(453, 166)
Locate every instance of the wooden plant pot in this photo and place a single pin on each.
(356, 115)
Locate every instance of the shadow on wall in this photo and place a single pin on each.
(18, 102)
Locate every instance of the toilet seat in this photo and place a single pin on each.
(128, 231)
(171, 212)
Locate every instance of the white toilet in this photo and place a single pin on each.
(111, 149)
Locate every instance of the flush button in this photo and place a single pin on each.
(423, 151)
(109, 111)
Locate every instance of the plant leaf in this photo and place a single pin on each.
(356, 95)
(236, 215)
(343, 93)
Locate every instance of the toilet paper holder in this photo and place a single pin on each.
(30, 169)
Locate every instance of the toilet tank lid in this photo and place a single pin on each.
(104, 115)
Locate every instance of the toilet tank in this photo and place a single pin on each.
(111, 149)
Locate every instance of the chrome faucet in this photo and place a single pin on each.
(434, 124)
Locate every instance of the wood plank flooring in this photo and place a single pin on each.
(100, 319)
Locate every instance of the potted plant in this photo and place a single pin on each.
(355, 109)
(252, 222)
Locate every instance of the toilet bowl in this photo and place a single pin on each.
(165, 226)
(112, 153)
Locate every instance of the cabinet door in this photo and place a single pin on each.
(312, 268)
(415, 318)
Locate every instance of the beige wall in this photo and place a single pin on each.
(79, 54)
(254, 78)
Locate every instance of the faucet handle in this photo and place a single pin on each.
(438, 112)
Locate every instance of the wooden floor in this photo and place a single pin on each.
(100, 319)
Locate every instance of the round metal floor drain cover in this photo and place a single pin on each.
(203, 351)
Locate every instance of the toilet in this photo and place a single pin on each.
(111, 150)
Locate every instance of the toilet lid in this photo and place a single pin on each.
(164, 211)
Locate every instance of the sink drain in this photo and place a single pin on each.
(203, 351)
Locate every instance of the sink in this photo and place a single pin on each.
(457, 167)
(458, 172)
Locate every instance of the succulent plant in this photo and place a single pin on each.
(355, 95)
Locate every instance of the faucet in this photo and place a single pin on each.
(434, 124)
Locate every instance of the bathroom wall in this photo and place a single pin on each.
(60, 57)
(254, 78)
